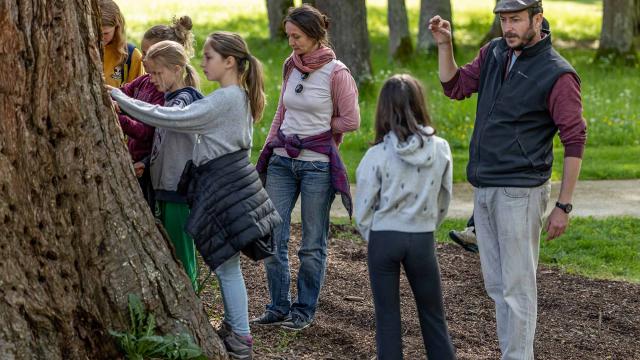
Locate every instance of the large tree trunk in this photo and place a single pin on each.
(76, 237)
(277, 10)
(349, 34)
(495, 30)
(429, 9)
(618, 23)
(400, 47)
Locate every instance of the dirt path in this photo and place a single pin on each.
(591, 198)
(578, 318)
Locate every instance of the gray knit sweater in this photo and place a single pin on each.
(221, 120)
(404, 186)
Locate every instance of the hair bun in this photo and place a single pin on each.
(325, 21)
(185, 22)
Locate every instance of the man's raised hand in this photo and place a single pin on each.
(440, 29)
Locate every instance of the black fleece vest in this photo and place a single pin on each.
(512, 143)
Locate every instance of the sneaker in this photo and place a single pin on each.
(295, 323)
(269, 318)
(238, 347)
(465, 238)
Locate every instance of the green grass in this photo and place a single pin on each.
(606, 248)
(602, 248)
(610, 107)
(598, 248)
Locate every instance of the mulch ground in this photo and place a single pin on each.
(578, 318)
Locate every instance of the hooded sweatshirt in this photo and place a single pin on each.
(171, 149)
(404, 186)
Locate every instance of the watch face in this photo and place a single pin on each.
(568, 208)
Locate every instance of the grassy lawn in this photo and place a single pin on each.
(610, 109)
(606, 248)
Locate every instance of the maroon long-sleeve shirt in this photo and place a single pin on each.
(140, 135)
(564, 102)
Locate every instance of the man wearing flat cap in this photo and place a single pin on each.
(527, 93)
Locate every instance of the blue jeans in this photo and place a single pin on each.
(234, 295)
(286, 180)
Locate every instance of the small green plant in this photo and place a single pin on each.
(141, 341)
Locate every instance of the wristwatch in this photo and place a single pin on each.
(564, 207)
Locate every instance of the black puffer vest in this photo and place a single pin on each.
(512, 143)
(230, 210)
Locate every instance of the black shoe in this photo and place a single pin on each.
(465, 238)
(295, 323)
(269, 318)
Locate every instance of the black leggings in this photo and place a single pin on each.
(416, 253)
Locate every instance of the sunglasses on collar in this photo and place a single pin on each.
(299, 87)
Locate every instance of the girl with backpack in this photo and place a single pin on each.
(403, 193)
(230, 211)
(122, 62)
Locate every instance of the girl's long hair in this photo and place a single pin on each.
(169, 53)
(179, 31)
(248, 66)
(111, 16)
(401, 108)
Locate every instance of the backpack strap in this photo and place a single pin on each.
(127, 64)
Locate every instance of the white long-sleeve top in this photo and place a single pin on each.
(404, 186)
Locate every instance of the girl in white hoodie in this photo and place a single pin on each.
(403, 191)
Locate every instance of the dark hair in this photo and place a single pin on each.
(179, 31)
(537, 9)
(311, 21)
(248, 66)
(401, 108)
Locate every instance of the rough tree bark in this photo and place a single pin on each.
(349, 34)
(495, 30)
(276, 11)
(428, 9)
(618, 24)
(76, 235)
(400, 46)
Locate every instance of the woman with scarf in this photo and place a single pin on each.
(318, 104)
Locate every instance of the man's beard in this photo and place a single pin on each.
(526, 38)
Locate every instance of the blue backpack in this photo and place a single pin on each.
(127, 64)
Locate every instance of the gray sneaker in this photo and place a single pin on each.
(268, 318)
(295, 323)
(238, 347)
(465, 238)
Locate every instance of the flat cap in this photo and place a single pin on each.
(515, 5)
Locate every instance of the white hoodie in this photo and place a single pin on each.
(403, 186)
